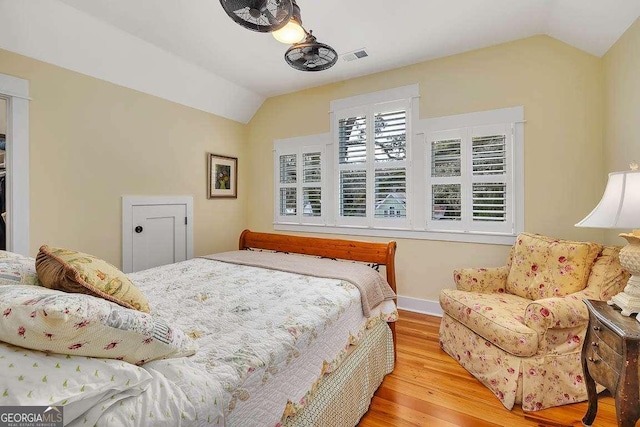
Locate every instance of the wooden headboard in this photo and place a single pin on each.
(353, 250)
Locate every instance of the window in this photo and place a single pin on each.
(299, 180)
(382, 172)
(372, 164)
(469, 184)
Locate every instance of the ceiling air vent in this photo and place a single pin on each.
(356, 54)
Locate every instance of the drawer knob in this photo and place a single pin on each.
(596, 328)
(591, 359)
(595, 344)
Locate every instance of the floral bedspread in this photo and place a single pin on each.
(266, 336)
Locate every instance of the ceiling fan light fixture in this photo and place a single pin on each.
(292, 32)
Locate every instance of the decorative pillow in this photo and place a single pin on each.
(48, 320)
(543, 267)
(16, 269)
(76, 383)
(607, 276)
(77, 272)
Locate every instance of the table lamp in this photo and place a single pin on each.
(620, 208)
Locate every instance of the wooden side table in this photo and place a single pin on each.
(610, 357)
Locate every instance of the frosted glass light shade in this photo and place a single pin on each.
(620, 203)
(291, 33)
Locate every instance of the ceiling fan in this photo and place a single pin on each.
(283, 19)
(311, 55)
(263, 16)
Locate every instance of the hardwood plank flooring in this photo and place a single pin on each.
(429, 388)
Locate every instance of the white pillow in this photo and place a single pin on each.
(34, 378)
(78, 324)
(16, 269)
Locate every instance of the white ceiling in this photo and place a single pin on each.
(192, 53)
(394, 33)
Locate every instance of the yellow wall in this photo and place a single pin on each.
(622, 107)
(560, 88)
(93, 141)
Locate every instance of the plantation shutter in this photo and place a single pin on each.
(300, 180)
(288, 184)
(390, 155)
(490, 178)
(352, 162)
(312, 184)
(445, 161)
(469, 179)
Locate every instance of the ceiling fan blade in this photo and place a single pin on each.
(272, 19)
(259, 15)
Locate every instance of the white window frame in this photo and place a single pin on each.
(405, 97)
(511, 122)
(298, 147)
(417, 224)
(466, 180)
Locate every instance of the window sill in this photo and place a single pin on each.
(466, 237)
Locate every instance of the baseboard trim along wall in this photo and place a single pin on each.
(419, 305)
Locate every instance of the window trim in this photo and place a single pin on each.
(299, 146)
(503, 116)
(16, 91)
(405, 97)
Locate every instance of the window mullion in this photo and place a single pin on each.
(466, 180)
(370, 168)
(299, 184)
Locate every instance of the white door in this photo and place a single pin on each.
(156, 231)
(159, 235)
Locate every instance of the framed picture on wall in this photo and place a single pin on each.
(222, 173)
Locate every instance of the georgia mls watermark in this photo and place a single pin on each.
(31, 416)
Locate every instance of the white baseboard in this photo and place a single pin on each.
(419, 305)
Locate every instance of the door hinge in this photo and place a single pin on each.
(185, 220)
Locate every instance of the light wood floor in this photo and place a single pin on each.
(429, 388)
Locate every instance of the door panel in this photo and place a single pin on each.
(159, 235)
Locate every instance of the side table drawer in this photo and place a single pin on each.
(606, 335)
(599, 350)
(601, 370)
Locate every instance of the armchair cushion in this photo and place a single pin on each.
(485, 280)
(543, 267)
(607, 276)
(498, 318)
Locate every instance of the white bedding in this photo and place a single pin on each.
(178, 393)
(258, 338)
(265, 337)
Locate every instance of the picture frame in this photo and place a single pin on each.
(222, 176)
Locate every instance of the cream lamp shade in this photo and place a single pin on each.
(620, 208)
(620, 204)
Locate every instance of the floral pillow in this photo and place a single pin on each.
(17, 269)
(543, 267)
(75, 383)
(73, 271)
(67, 323)
(607, 276)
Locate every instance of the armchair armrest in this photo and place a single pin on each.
(556, 313)
(484, 280)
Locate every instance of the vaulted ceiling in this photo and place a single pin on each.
(195, 39)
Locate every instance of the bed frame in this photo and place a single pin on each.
(352, 250)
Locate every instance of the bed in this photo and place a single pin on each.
(276, 334)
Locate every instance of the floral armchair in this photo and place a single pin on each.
(519, 328)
